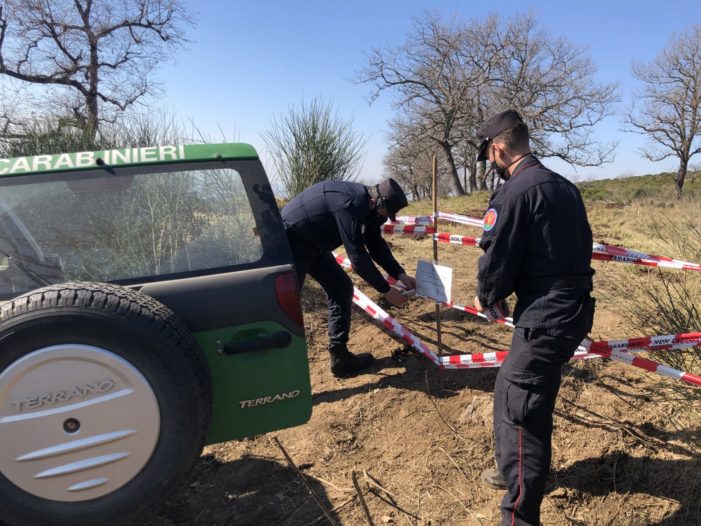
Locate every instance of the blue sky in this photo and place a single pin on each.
(249, 62)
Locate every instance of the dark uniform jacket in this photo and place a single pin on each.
(333, 213)
(537, 243)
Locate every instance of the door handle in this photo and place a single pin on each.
(276, 340)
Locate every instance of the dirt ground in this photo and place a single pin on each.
(626, 451)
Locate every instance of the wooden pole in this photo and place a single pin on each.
(434, 190)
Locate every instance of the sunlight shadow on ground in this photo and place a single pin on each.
(623, 474)
(249, 491)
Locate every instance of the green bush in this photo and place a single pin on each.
(312, 144)
(669, 303)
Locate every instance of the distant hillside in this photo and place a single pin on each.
(627, 189)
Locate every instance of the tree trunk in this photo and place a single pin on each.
(93, 114)
(679, 178)
(493, 180)
(483, 175)
(454, 177)
(473, 177)
(91, 100)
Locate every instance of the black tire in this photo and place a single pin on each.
(152, 340)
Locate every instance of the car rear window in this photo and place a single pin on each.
(122, 225)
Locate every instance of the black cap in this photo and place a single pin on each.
(493, 127)
(392, 196)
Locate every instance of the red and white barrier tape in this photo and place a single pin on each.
(604, 252)
(392, 228)
(601, 251)
(658, 342)
(613, 349)
(456, 239)
(413, 220)
(428, 220)
(648, 365)
(494, 359)
(472, 310)
(463, 220)
(480, 361)
(654, 343)
(378, 314)
(345, 263)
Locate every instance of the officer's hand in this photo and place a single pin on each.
(498, 311)
(395, 297)
(408, 281)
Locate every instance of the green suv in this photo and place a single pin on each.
(148, 306)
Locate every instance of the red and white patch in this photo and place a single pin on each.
(490, 219)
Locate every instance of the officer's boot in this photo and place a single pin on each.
(344, 363)
(492, 478)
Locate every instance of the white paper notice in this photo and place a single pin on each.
(434, 281)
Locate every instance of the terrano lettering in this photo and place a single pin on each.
(268, 399)
(57, 397)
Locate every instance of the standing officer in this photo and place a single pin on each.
(319, 220)
(537, 243)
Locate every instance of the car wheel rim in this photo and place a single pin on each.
(77, 422)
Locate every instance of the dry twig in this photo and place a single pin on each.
(617, 424)
(362, 499)
(469, 511)
(430, 397)
(391, 498)
(304, 480)
(562, 515)
(372, 480)
(329, 483)
(453, 461)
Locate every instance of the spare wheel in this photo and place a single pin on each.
(105, 401)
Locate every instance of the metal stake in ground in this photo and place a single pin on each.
(435, 250)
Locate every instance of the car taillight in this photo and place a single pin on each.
(288, 296)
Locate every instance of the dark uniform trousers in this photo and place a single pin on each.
(538, 244)
(322, 266)
(524, 400)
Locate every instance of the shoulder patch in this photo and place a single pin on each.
(490, 219)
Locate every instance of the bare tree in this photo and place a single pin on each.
(550, 81)
(431, 79)
(670, 111)
(447, 79)
(412, 165)
(410, 159)
(312, 144)
(99, 52)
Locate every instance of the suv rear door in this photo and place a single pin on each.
(201, 234)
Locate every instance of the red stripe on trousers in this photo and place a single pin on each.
(520, 461)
